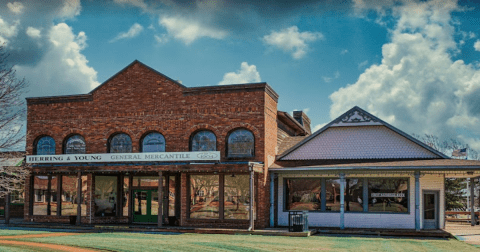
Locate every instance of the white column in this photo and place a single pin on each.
(417, 201)
(342, 201)
(272, 200)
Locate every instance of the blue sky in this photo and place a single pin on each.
(414, 64)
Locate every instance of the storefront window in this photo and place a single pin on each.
(353, 195)
(126, 195)
(204, 197)
(204, 141)
(332, 189)
(171, 196)
(85, 195)
(40, 187)
(53, 196)
(303, 194)
(69, 195)
(153, 142)
(241, 144)
(105, 195)
(237, 197)
(75, 145)
(388, 195)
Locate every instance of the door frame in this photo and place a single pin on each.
(149, 197)
(436, 194)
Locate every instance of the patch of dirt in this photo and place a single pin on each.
(10, 240)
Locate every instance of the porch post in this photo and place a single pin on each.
(48, 194)
(272, 199)
(7, 208)
(342, 201)
(472, 201)
(160, 199)
(79, 197)
(417, 201)
(252, 198)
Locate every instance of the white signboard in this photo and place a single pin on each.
(388, 195)
(125, 157)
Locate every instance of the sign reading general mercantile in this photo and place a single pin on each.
(125, 157)
(388, 195)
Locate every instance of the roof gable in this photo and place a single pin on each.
(358, 134)
(127, 68)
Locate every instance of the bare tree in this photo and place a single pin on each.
(12, 106)
(13, 171)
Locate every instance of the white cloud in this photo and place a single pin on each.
(318, 126)
(189, 30)
(15, 7)
(477, 45)
(246, 74)
(134, 31)
(137, 3)
(291, 40)
(33, 32)
(70, 8)
(345, 51)
(329, 79)
(418, 87)
(362, 64)
(8, 30)
(63, 69)
(161, 39)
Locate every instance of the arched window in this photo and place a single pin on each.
(75, 145)
(153, 142)
(46, 146)
(204, 141)
(120, 143)
(240, 143)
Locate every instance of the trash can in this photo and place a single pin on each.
(298, 221)
(73, 219)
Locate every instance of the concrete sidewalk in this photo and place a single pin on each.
(464, 232)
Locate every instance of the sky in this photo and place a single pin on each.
(414, 64)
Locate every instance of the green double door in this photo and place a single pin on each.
(145, 208)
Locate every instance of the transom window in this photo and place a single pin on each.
(153, 142)
(241, 144)
(204, 141)
(121, 143)
(75, 145)
(46, 146)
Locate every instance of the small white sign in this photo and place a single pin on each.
(125, 157)
(388, 195)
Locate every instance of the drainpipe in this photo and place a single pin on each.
(252, 198)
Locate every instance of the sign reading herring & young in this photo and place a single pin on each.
(125, 157)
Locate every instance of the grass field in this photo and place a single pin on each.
(209, 242)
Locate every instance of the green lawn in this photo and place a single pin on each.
(207, 242)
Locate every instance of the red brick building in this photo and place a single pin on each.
(142, 112)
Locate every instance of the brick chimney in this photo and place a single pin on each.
(303, 119)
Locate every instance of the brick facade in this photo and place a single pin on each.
(139, 100)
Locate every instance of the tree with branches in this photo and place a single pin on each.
(454, 187)
(12, 136)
